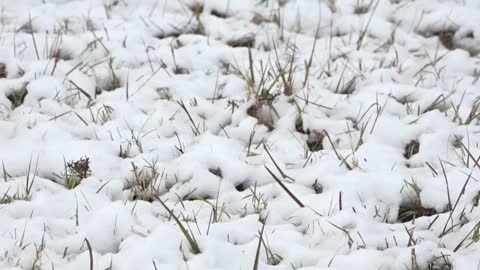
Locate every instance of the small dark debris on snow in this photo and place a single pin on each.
(317, 187)
(242, 186)
(216, 171)
(174, 34)
(219, 14)
(180, 71)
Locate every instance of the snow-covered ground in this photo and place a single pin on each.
(145, 134)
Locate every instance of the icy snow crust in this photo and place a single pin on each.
(159, 96)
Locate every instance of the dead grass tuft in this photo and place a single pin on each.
(440, 263)
(145, 182)
(315, 141)
(219, 14)
(412, 208)
(247, 41)
(74, 172)
(411, 149)
(18, 96)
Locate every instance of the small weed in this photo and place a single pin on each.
(259, 200)
(30, 180)
(6, 199)
(188, 236)
(102, 115)
(74, 172)
(165, 93)
(145, 182)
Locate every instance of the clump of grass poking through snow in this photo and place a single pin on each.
(411, 209)
(18, 96)
(247, 41)
(440, 263)
(411, 149)
(74, 172)
(315, 141)
(145, 182)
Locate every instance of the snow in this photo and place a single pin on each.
(163, 101)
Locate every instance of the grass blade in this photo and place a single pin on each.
(285, 188)
(191, 240)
